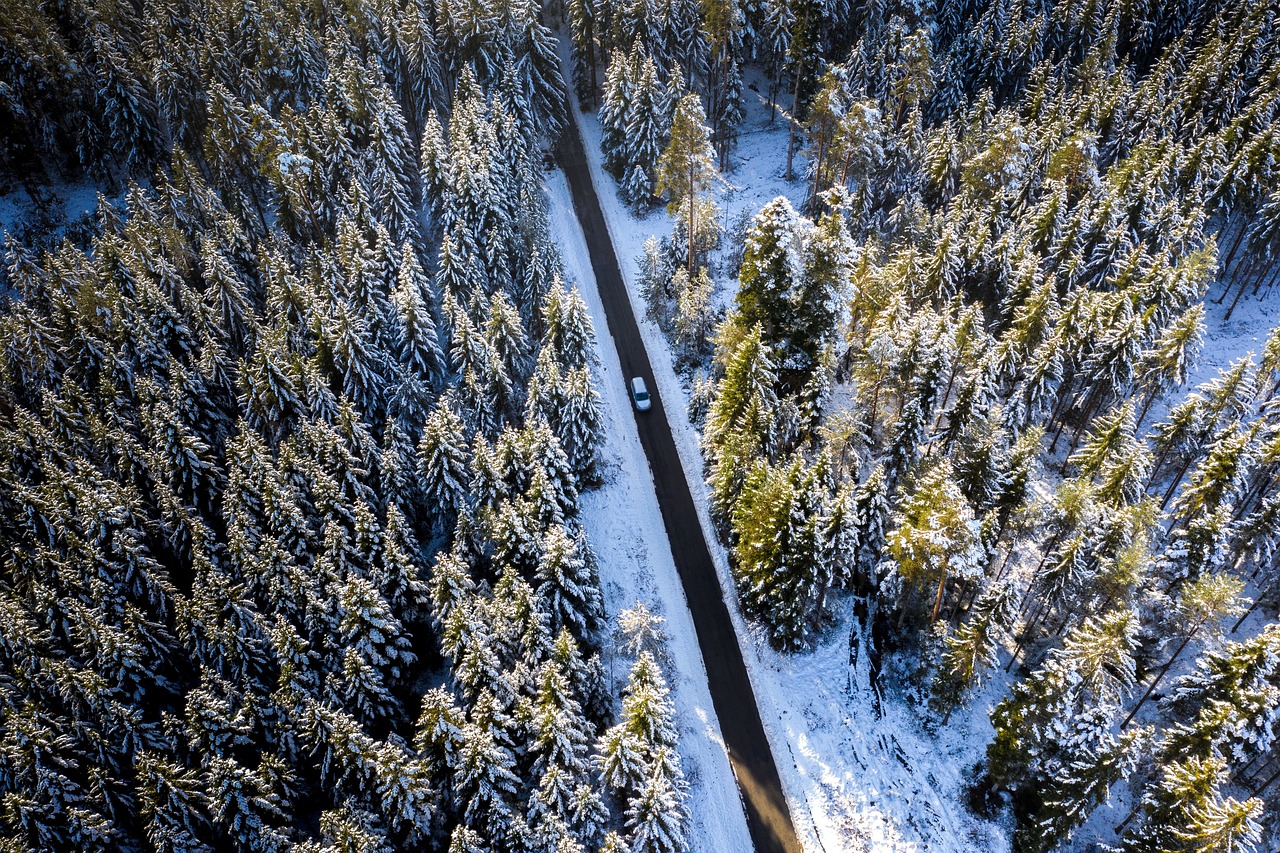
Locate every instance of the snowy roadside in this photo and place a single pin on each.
(853, 781)
(624, 525)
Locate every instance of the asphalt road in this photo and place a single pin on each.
(768, 817)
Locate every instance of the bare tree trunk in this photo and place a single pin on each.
(1231, 256)
(1176, 481)
(1275, 276)
(1263, 482)
(1133, 812)
(1163, 670)
(1257, 600)
(1231, 309)
(795, 99)
(819, 163)
(1267, 784)
(1032, 623)
(1092, 403)
(937, 602)
(906, 605)
(1060, 409)
(954, 611)
(946, 395)
(1146, 407)
(791, 131)
(1261, 265)
(1004, 564)
(689, 228)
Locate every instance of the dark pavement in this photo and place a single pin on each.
(768, 817)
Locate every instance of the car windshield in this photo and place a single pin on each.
(642, 395)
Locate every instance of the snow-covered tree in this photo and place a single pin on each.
(686, 172)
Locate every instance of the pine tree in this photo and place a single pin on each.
(1204, 603)
(1228, 704)
(640, 631)
(270, 386)
(694, 320)
(568, 330)
(582, 28)
(488, 785)
(686, 171)
(505, 335)
(466, 840)
(1166, 363)
(436, 167)
(560, 742)
(1094, 760)
(1184, 811)
(443, 463)
(645, 137)
(392, 170)
(791, 275)
(398, 576)
(377, 649)
(568, 582)
(740, 425)
(783, 567)
(631, 749)
(872, 503)
(656, 817)
(417, 344)
(621, 759)
(637, 187)
(1090, 672)
(935, 538)
(570, 405)
(173, 804)
(972, 649)
(615, 110)
(245, 803)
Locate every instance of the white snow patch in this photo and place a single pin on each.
(67, 202)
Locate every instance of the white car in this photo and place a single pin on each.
(640, 394)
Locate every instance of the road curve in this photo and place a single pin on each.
(768, 817)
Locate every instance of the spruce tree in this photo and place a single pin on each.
(740, 426)
(782, 563)
(935, 539)
(443, 463)
(645, 133)
(686, 173)
(568, 582)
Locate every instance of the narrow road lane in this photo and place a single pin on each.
(768, 817)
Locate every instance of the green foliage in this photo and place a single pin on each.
(793, 274)
(935, 536)
(783, 549)
(686, 172)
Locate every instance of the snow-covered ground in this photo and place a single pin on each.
(1226, 341)
(67, 202)
(626, 530)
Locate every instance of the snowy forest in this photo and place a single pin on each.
(300, 406)
(951, 379)
(294, 427)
